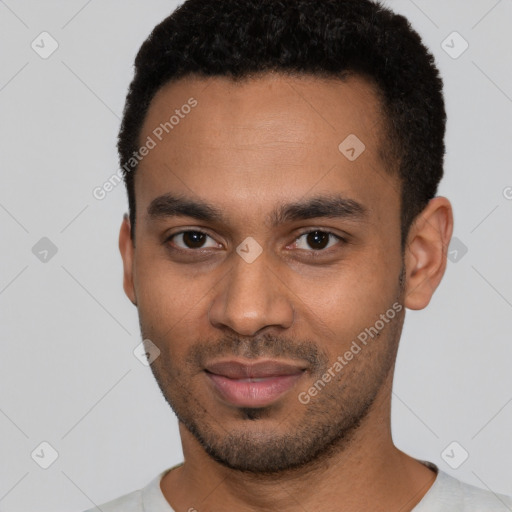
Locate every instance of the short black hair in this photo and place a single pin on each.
(325, 38)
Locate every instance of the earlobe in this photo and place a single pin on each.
(426, 252)
(127, 249)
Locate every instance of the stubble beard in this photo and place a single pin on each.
(257, 442)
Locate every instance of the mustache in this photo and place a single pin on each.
(265, 346)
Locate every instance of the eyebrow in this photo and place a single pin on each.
(329, 206)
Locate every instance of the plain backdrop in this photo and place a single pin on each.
(68, 375)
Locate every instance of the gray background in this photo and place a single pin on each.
(68, 375)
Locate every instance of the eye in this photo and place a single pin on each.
(192, 240)
(316, 240)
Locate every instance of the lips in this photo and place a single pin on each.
(262, 369)
(252, 385)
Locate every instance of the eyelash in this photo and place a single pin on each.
(314, 252)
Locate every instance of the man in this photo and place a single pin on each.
(281, 159)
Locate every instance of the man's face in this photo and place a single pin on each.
(252, 300)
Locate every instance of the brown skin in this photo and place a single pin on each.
(248, 148)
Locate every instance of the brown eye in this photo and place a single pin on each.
(316, 240)
(192, 240)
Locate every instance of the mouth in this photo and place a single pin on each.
(255, 384)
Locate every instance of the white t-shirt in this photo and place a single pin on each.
(447, 494)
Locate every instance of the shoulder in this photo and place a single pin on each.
(476, 499)
(150, 498)
(131, 502)
(449, 494)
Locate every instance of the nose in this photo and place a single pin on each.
(251, 298)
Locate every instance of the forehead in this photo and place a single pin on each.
(266, 139)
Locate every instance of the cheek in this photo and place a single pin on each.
(343, 304)
(159, 282)
(172, 306)
(161, 296)
(337, 313)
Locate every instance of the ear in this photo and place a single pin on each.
(127, 249)
(426, 252)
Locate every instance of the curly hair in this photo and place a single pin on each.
(325, 38)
